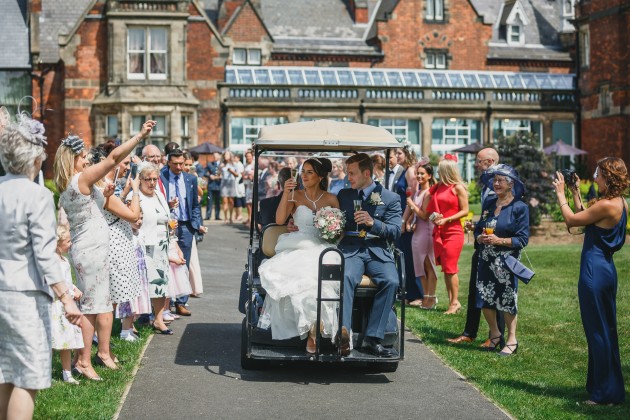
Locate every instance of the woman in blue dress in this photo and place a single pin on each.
(502, 230)
(605, 234)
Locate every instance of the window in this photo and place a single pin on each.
(247, 56)
(585, 48)
(435, 60)
(451, 133)
(563, 131)
(567, 8)
(403, 130)
(111, 126)
(434, 10)
(146, 53)
(507, 127)
(184, 131)
(159, 134)
(245, 130)
(515, 35)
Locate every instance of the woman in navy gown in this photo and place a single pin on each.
(605, 222)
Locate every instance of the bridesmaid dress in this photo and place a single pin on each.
(597, 291)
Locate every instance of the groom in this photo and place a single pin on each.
(366, 248)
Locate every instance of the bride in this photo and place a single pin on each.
(290, 277)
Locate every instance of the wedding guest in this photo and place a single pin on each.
(248, 181)
(239, 199)
(228, 185)
(338, 178)
(29, 269)
(449, 202)
(502, 230)
(605, 220)
(404, 186)
(213, 175)
(154, 231)
(271, 179)
(378, 161)
(263, 168)
(485, 159)
(269, 206)
(417, 221)
(196, 281)
(65, 336)
(182, 188)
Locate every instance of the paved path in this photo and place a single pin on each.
(196, 373)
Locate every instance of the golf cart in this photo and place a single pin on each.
(258, 349)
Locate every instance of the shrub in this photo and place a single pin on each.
(53, 188)
(474, 192)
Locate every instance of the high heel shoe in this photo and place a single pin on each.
(99, 362)
(311, 343)
(453, 308)
(493, 345)
(429, 298)
(79, 373)
(512, 347)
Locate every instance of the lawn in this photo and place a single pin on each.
(92, 400)
(546, 378)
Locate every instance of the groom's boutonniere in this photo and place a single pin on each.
(375, 199)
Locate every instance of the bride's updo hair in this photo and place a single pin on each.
(322, 167)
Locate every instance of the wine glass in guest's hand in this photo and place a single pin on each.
(490, 226)
(357, 207)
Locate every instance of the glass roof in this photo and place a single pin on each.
(344, 76)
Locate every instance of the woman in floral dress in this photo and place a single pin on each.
(497, 287)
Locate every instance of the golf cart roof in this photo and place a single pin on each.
(321, 135)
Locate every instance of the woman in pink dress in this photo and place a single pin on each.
(448, 203)
(417, 220)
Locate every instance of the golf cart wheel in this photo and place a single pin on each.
(246, 362)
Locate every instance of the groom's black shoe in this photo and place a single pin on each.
(374, 346)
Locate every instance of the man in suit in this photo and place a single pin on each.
(213, 175)
(263, 165)
(269, 206)
(366, 250)
(485, 159)
(182, 187)
(395, 170)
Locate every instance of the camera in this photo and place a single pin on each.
(570, 178)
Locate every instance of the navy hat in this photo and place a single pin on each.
(487, 178)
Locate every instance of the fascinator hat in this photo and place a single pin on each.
(30, 129)
(487, 178)
(73, 142)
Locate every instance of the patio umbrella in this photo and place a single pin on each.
(562, 149)
(469, 148)
(206, 149)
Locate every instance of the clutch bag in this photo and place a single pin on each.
(519, 269)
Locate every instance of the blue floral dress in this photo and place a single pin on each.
(497, 287)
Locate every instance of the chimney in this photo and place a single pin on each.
(358, 10)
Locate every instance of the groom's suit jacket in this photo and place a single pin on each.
(387, 217)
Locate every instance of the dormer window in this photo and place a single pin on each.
(513, 22)
(249, 56)
(434, 10)
(515, 36)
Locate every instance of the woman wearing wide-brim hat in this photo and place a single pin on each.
(502, 230)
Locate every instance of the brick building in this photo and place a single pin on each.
(437, 73)
(604, 78)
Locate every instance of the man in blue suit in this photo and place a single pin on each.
(183, 187)
(366, 249)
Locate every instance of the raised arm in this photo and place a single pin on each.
(94, 173)
(115, 205)
(285, 208)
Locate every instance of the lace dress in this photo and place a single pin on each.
(90, 246)
(290, 279)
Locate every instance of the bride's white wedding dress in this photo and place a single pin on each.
(290, 279)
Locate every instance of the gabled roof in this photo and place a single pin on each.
(58, 17)
(234, 17)
(14, 35)
(543, 22)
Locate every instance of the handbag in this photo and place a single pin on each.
(520, 270)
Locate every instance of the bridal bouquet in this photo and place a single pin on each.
(330, 223)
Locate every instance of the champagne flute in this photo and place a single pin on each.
(489, 228)
(357, 207)
(294, 175)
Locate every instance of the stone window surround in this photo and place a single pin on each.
(439, 13)
(147, 74)
(248, 50)
(435, 53)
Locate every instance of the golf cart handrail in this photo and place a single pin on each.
(325, 135)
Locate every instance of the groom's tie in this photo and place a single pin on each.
(361, 195)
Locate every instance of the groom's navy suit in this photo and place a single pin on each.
(371, 256)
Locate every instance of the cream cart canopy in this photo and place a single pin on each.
(325, 135)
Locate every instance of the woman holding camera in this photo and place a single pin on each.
(605, 234)
(503, 230)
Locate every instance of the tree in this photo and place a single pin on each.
(522, 152)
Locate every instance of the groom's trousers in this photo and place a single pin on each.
(384, 275)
